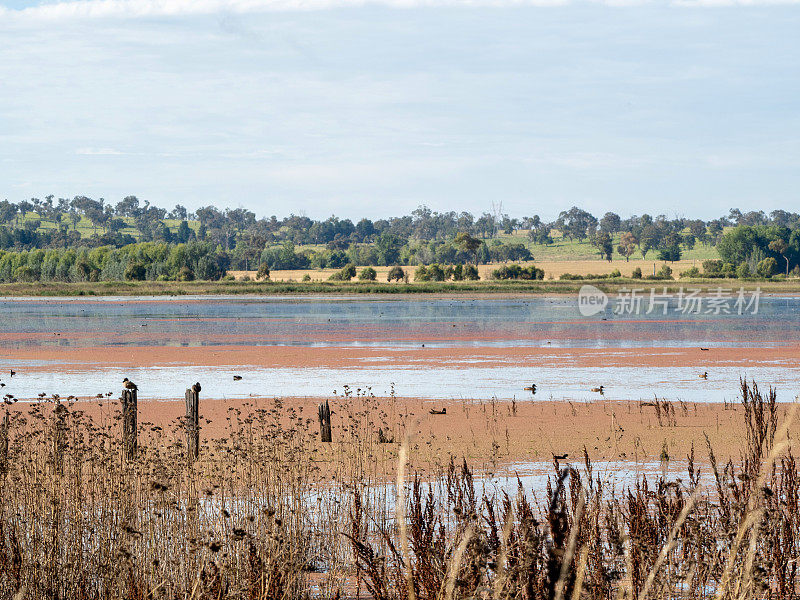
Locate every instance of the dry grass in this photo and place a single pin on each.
(552, 268)
(258, 517)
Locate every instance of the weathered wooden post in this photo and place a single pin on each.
(129, 427)
(4, 445)
(324, 412)
(193, 423)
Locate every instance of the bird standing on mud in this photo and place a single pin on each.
(196, 388)
(129, 385)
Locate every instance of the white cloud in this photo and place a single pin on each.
(160, 8)
(88, 9)
(338, 110)
(98, 152)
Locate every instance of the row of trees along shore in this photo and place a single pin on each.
(82, 239)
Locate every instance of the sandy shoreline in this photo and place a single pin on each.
(491, 436)
(352, 357)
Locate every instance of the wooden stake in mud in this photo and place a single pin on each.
(193, 422)
(129, 412)
(4, 445)
(324, 412)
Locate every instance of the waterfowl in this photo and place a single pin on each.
(560, 456)
(433, 411)
(237, 377)
(13, 372)
(196, 388)
(531, 388)
(704, 349)
(129, 385)
(598, 389)
(703, 375)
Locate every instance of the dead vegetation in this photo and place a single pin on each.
(271, 512)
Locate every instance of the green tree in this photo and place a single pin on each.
(648, 239)
(605, 246)
(779, 246)
(576, 223)
(670, 253)
(627, 245)
(468, 243)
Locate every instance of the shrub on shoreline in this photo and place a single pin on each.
(515, 271)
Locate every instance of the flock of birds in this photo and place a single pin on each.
(601, 389)
(127, 384)
(130, 385)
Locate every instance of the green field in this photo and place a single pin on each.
(565, 249)
(86, 229)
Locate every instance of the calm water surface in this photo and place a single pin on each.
(389, 325)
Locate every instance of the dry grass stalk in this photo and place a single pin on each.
(271, 512)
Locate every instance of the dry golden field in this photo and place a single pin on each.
(552, 268)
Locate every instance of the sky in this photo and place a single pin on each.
(357, 108)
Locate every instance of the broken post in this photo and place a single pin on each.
(324, 412)
(129, 427)
(193, 424)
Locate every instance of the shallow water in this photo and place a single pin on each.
(503, 383)
(389, 325)
(383, 323)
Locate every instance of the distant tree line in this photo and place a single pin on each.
(134, 262)
(237, 239)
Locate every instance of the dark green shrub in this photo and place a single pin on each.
(743, 271)
(471, 273)
(767, 267)
(367, 274)
(436, 272)
(185, 274)
(693, 272)
(515, 271)
(395, 274)
(345, 274)
(135, 272)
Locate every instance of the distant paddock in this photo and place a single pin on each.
(552, 269)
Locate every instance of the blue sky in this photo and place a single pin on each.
(330, 106)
